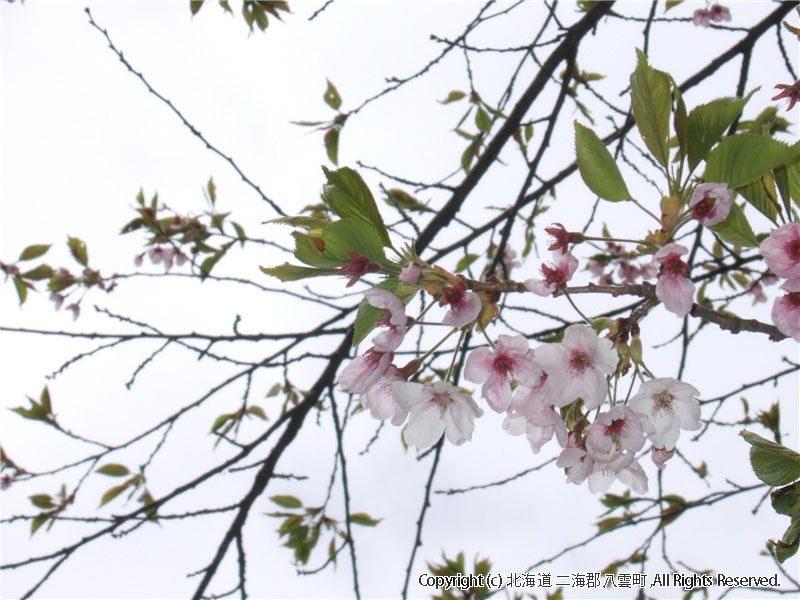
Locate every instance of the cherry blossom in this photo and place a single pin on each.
(786, 310)
(562, 238)
(434, 409)
(530, 413)
(58, 300)
(711, 203)
(719, 13)
(495, 369)
(411, 273)
(379, 397)
(577, 367)
(702, 17)
(659, 456)
(465, 306)
(666, 406)
(625, 468)
(394, 319)
(365, 370)
(165, 255)
(673, 287)
(781, 251)
(555, 275)
(6, 481)
(576, 462)
(613, 432)
(792, 92)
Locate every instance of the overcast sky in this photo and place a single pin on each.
(80, 136)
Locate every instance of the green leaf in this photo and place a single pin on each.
(22, 289)
(37, 522)
(36, 412)
(482, 120)
(793, 173)
(348, 196)
(743, 158)
(34, 251)
(671, 3)
(287, 502)
(597, 166)
(78, 250)
(651, 100)
(212, 191)
(736, 229)
(42, 501)
(311, 250)
(708, 122)
(400, 199)
(354, 235)
(332, 97)
(195, 6)
(260, 17)
(773, 464)
(257, 411)
(220, 421)
(113, 470)
(38, 273)
(239, 233)
(363, 519)
(113, 492)
(680, 122)
(786, 500)
(44, 400)
(225, 6)
(528, 132)
(762, 195)
(608, 523)
(210, 261)
(287, 272)
(465, 262)
(787, 546)
(781, 178)
(469, 154)
(332, 144)
(453, 96)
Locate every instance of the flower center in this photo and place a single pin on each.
(675, 266)
(794, 249)
(663, 401)
(503, 364)
(442, 400)
(793, 298)
(704, 208)
(580, 361)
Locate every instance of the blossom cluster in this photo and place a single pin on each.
(716, 12)
(781, 251)
(535, 387)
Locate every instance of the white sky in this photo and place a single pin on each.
(80, 135)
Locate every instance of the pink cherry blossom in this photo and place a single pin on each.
(379, 397)
(757, 292)
(673, 287)
(576, 462)
(613, 432)
(530, 413)
(659, 456)
(6, 481)
(58, 300)
(434, 409)
(577, 367)
(702, 17)
(364, 370)
(76, 311)
(410, 273)
(711, 203)
(720, 13)
(465, 306)
(394, 319)
(786, 310)
(510, 360)
(625, 468)
(792, 92)
(356, 267)
(556, 274)
(666, 406)
(781, 251)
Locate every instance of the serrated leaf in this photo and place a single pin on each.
(42, 501)
(355, 236)
(786, 500)
(482, 120)
(707, 123)
(773, 464)
(211, 261)
(743, 158)
(761, 194)
(363, 519)
(597, 167)
(332, 144)
(36, 412)
(113, 470)
(453, 96)
(348, 196)
(78, 249)
(332, 97)
(34, 251)
(44, 400)
(287, 501)
(212, 191)
(680, 122)
(736, 229)
(288, 272)
(650, 101)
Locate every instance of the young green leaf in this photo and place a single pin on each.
(651, 100)
(288, 272)
(332, 97)
(332, 144)
(44, 501)
(736, 229)
(113, 470)
(34, 251)
(773, 464)
(743, 158)
(707, 123)
(363, 519)
(453, 96)
(482, 120)
(348, 196)
(597, 166)
(78, 249)
(287, 501)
